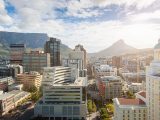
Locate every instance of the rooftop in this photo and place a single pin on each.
(142, 93)
(80, 81)
(5, 96)
(124, 101)
(110, 78)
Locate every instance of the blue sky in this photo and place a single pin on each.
(94, 23)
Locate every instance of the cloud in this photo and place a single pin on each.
(136, 21)
(5, 19)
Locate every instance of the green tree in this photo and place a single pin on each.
(110, 107)
(91, 106)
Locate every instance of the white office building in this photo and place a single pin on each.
(64, 95)
(153, 86)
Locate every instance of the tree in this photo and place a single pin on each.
(130, 95)
(103, 113)
(110, 107)
(91, 106)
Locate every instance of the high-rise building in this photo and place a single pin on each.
(29, 80)
(16, 53)
(153, 86)
(53, 47)
(35, 61)
(79, 53)
(64, 96)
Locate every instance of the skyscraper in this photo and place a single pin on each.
(53, 47)
(153, 86)
(16, 53)
(79, 53)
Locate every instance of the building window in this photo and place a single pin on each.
(76, 110)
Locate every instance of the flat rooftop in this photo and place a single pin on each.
(142, 93)
(5, 96)
(110, 78)
(81, 81)
(124, 101)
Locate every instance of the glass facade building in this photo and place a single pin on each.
(53, 47)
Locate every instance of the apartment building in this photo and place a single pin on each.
(35, 61)
(30, 79)
(130, 109)
(110, 87)
(64, 96)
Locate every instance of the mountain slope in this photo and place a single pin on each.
(31, 40)
(118, 48)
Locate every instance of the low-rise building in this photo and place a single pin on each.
(5, 82)
(10, 100)
(6, 103)
(19, 96)
(29, 79)
(15, 87)
(110, 87)
(130, 109)
(135, 87)
(105, 70)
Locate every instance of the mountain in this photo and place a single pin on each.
(31, 40)
(118, 48)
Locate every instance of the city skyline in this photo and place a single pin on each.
(85, 21)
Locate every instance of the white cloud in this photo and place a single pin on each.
(40, 16)
(5, 19)
(145, 17)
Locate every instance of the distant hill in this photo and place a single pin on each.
(31, 40)
(118, 48)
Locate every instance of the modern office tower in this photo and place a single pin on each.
(79, 53)
(110, 87)
(130, 109)
(64, 96)
(35, 61)
(16, 53)
(29, 80)
(117, 62)
(53, 47)
(153, 86)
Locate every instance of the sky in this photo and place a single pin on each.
(96, 24)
